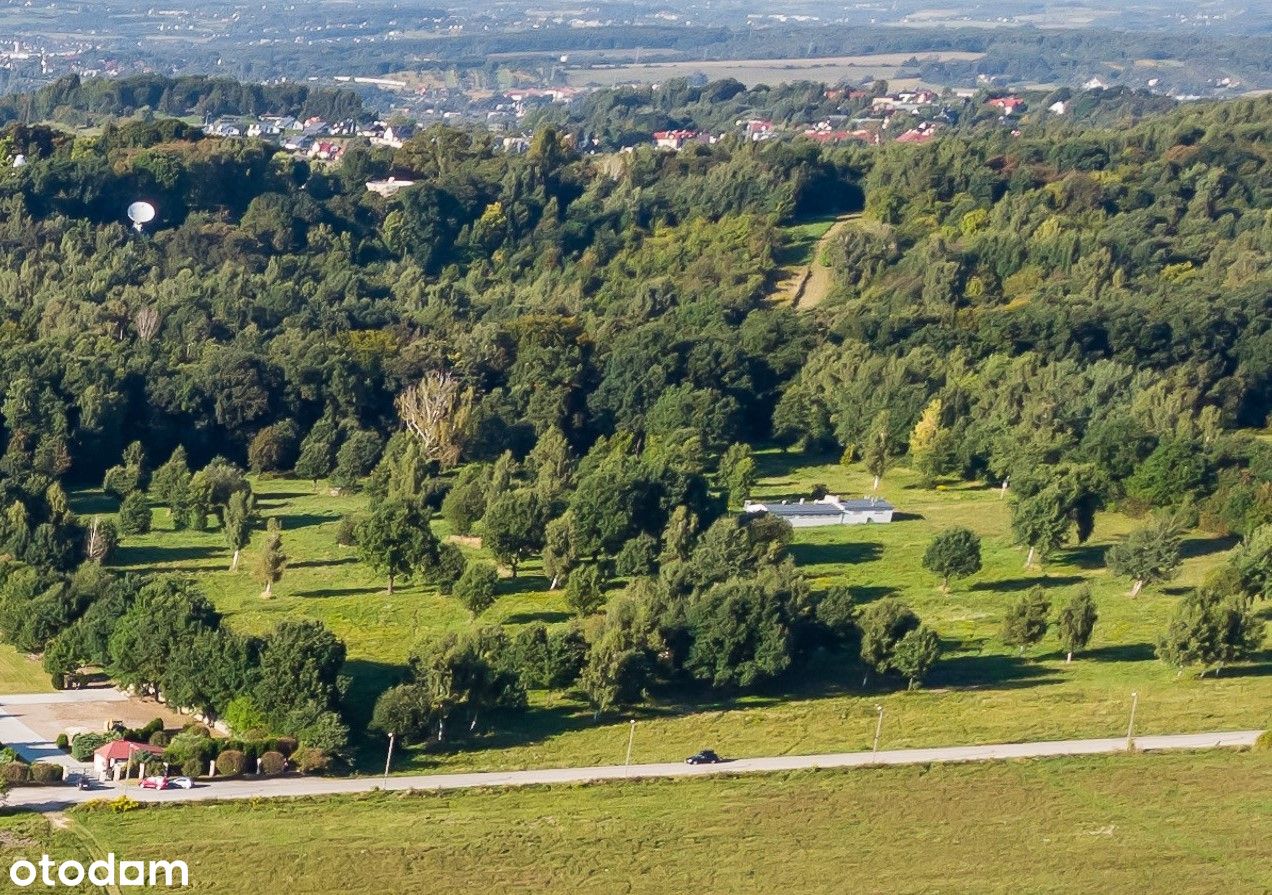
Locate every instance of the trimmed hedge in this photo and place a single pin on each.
(85, 744)
(273, 763)
(311, 761)
(231, 763)
(15, 772)
(44, 772)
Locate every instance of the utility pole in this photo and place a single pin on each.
(878, 729)
(388, 759)
(1130, 728)
(631, 736)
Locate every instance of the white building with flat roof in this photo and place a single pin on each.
(829, 510)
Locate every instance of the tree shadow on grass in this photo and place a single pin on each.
(322, 563)
(1087, 556)
(307, 520)
(284, 495)
(989, 671)
(94, 504)
(784, 464)
(367, 680)
(832, 554)
(339, 591)
(1122, 652)
(1014, 585)
(1190, 548)
(546, 617)
(868, 593)
(1254, 669)
(525, 583)
(125, 555)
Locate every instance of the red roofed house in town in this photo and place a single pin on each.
(1010, 105)
(677, 139)
(917, 135)
(120, 752)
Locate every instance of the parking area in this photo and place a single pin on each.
(30, 722)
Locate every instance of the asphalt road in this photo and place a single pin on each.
(58, 798)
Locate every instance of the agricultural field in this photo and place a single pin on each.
(981, 690)
(1108, 824)
(830, 70)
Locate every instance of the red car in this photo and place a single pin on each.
(154, 783)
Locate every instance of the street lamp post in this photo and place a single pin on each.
(388, 759)
(631, 736)
(878, 729)
(1130, 728)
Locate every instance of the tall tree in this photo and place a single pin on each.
(437, 410)
(1147, 555)
(1026, 622)
(954, 551)
(915, 654)
(273, 559)
(1040, 522)
(396, 540)
(513, 527)
(240, 512)
(877, 452)
(737, 473)
(1076, 621)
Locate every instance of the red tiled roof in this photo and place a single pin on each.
(122, 750)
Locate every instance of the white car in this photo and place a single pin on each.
(181, 782)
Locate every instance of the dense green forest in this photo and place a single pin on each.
(578, 353)
(71, 100)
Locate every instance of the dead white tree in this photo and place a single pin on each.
(437, 410)
(146, 321)
(99, 541)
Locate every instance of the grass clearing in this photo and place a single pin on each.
(1107, 824)
(981, 691)
(20, 673)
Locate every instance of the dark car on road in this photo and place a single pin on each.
(706, 756)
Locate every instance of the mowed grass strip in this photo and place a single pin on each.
(1178, 823)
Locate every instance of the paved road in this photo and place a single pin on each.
(54, 799)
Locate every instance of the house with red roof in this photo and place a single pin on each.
(1008, 105)
(108, 756)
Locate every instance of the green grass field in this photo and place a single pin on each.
(20, 673)
(1145, 824)
(981, 691)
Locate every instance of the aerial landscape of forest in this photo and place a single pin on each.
(552, 405)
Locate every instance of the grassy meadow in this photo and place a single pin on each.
(981, 691)
(1181, 823)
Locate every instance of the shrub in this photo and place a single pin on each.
(187, 745)
(346, 533)
(1264, 742)
(85, 744)
(46, 772)
(231, 763)
(312, 761)
(243, 716)
(197, 729)
(7, 755)
(15, 772)
(273, 763)
(477, 586)
(120, 805)
(194, 767)
(160, 738)
(63, 742)
(286, 745)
